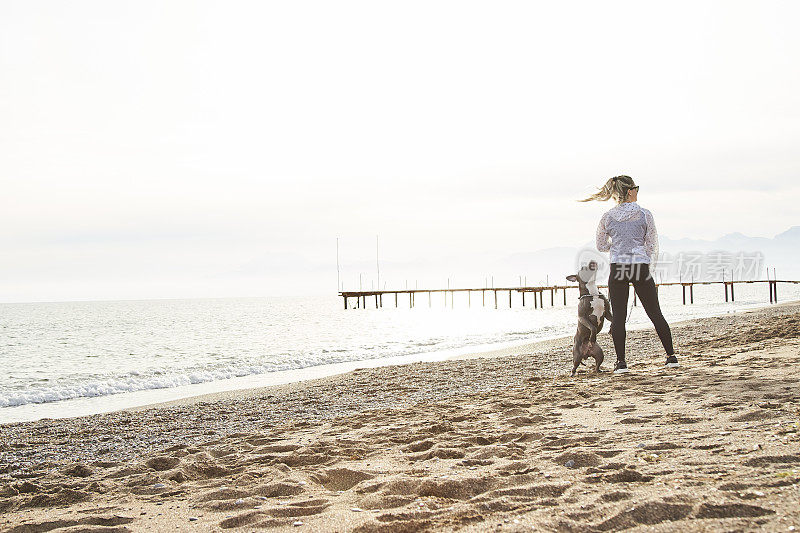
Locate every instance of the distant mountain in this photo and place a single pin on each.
(737, 241)
(781, 252)
(790, 235)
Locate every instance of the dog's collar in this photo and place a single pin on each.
(587, 296)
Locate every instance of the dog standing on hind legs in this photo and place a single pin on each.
(593, 308)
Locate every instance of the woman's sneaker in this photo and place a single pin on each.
(621, 367)
(672, 362)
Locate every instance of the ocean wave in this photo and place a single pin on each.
(138, 380)
(135, 381)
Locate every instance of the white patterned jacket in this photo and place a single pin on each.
(628, 232)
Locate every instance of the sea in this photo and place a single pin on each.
(66, 359)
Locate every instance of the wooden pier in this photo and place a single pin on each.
(496, 293)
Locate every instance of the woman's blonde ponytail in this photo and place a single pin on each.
(616, 188)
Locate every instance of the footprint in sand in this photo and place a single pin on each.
(615, 496)
(61, 497)
(384, 501)
(496, 451)
(340, 479)
(241, 520)
(280, 488)
(634, 420)
(767, 460)
(626, 475)
(645, 514)
(560, 443)
(109, 524)
(409, 524)
(162, 463)
(731, 510)
(578, 459)
(454, 489)
(419, 446)
(79, 470)
(526, 493)
(516, 468)
(294, 460)
(662, 446)
(223, 494)
(609, 453)
(760, 414)
(303, 508)
(678, 418)
(440, 452)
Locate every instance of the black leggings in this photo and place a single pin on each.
(639, 274)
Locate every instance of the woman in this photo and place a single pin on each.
(629, 233)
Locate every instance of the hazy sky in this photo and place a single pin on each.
(218, 148)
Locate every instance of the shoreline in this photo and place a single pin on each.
(505, 351)
(504, 442)
(251, 384)
(232, 387)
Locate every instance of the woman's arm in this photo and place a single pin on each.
(603, 238)
(651, 236)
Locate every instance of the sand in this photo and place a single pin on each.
(504, 441)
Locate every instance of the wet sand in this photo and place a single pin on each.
(501, 441)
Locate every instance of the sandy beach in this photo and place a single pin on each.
(499, 441)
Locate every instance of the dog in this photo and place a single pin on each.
(593, 308)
